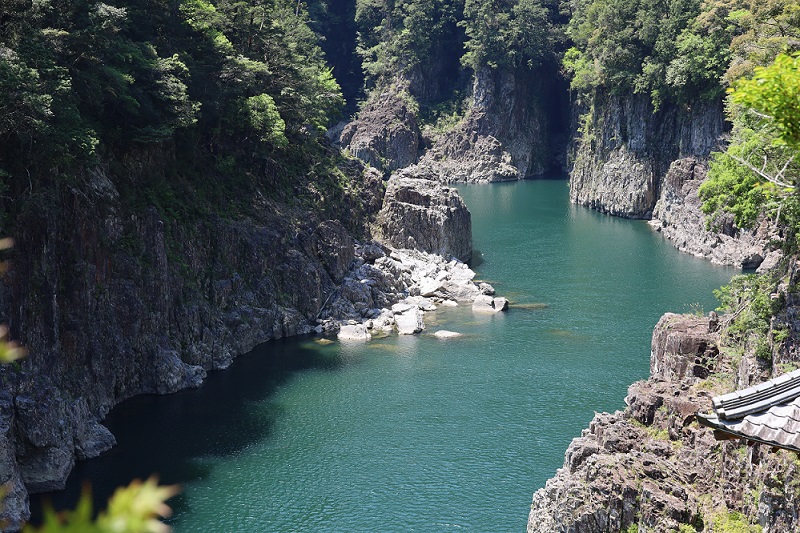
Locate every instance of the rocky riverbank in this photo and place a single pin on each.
(677, 215)
(651, 467)
(391, 290)
(636, 162)
(113, 300)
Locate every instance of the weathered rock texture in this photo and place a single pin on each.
(422, 214)
(653, 468)
(507, 133)
(113, 300)
(633, 162)
(626, 150)
(504, 135)
(678, 217)
(384, 134)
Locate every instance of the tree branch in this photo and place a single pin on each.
(761, 172)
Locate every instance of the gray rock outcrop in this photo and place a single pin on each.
(393, 289)
(384, 134)
(651, 467)
(678, 217)
(354, 332)
(503, 136)
(112, 300)
(422, 214)
(624, 155)
(634, 162)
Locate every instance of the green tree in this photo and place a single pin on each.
(506, 33)
(759, 171)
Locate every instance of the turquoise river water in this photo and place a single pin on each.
(414, 433)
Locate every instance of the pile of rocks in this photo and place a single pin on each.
(392, 289)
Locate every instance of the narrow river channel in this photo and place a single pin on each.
(415, 433)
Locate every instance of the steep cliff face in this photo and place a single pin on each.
(626, 149)
(420, 214)
(505, 134)
(653, 468)
(512, 129)
(385, 133)
(113, 299)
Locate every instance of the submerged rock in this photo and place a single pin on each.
(444, 334)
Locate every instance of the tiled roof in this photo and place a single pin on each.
(768, 412)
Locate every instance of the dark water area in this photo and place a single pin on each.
(416, 433)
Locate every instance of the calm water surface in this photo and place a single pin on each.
(413, 433)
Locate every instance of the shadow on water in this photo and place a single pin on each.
(166, 435)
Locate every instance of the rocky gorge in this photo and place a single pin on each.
(646, 468)
(117, 293)
(117, 302)
(623, 157)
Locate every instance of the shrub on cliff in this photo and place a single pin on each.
(759, 171)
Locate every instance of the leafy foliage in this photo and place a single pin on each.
(81, 78)
(397, 36)
(759, 172)
(747, 299)
(131, 509)
(674, 50)
(626, 45)
(9, 351)
(774, 93)
(507, 33)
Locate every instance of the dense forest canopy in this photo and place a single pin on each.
(227, 82)
(240, 86)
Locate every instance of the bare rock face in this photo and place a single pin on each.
(678, 217)
(682, 347)
(335, 249)
(422, 214)
(620, 165)
(651, 467)
(385, 134)
(502, 138)
(15, 505)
